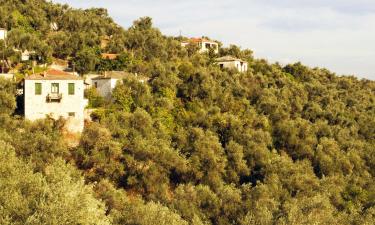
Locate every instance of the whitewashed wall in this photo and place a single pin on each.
(204, 49)
(3, 34)
(235, 64)
(37, 107)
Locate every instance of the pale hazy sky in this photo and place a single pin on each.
(336, 34)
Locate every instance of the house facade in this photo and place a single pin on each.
(3, 34)
(56, 94)
(105, 84)
(25, 55)
(231, 62)
(204, 44)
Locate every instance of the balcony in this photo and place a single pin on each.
(54, 97)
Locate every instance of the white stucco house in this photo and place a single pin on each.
(3, 34)
(54, 26)
(25, 56)
(107, 82)
(204, 44)
(56, 94)
(232, 62)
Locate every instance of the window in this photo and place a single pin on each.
(208, 45)
(71, 88)
(221, 66)
(72, 114)
(96, 84)
(38, 88)
(55, 88)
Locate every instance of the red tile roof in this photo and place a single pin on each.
(53, 74)
(109, 56)
(197, 40)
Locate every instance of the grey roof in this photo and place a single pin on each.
(112, 75)
(228, 59)
(118, 75)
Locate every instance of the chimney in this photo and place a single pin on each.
(44, 74)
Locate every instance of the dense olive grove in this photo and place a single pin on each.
(195, 144)
(54, 30)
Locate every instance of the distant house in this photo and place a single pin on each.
(231, 62)
(25, 55)
(56, 94)
(3, 34)
(54, 26)
(204, 44)
(107, 82)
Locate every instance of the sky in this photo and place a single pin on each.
(335, 34)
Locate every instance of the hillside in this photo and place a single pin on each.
(194, 145)
(53, 30)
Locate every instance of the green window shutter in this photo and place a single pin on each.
(71, 88)
(55, 88)
(38, 88)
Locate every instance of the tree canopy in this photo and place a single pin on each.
(195, 144)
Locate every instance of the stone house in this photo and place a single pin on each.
(231, 62)
(204, 44)
(56, 94)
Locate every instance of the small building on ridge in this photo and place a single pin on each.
(232, 62)
(204, 44)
